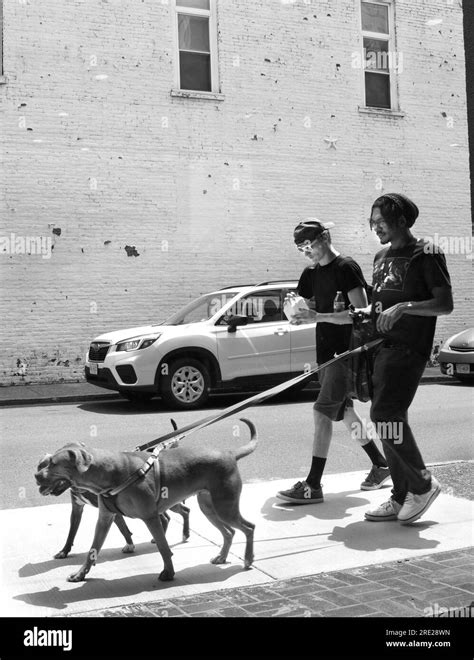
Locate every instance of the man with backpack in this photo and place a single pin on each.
(330, 272)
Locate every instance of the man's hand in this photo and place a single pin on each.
(304, 316)
(387, 318)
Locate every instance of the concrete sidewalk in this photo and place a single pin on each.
(64, 392)
(311, 560)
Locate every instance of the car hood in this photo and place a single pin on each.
(464, 339)
(130, 333)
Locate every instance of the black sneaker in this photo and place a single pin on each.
(302, 493)
(376, 477)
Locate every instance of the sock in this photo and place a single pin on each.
(374, 454)
(316, 472)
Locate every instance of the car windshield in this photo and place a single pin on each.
(201, 309)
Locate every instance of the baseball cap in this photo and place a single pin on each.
(310, 229)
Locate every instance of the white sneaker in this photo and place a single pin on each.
(414, 505)
(386, 511)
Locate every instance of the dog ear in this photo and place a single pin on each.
(81, 458)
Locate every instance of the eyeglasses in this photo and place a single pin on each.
(308, 245)
(373, 224)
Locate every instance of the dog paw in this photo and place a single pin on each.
(80, 576)
(62, 554)
(166, 575)
(128, 548)
(219, 560)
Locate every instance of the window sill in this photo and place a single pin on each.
(383, 112)
(190, 94)
(3, 80)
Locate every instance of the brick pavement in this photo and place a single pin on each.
(404, 588)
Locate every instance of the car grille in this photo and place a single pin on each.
(462, 349)
(98, 351)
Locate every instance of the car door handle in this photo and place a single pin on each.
(281, 332)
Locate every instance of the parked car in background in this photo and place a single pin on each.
(456, 357)
(230, 339)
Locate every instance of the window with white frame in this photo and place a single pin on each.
(196, 40)
(380, 61)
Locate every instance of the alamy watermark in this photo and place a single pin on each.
(448, 244)
(377, 60)
(436, 610)
(383, 430)
(37, 245)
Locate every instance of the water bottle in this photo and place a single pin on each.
(339, 304)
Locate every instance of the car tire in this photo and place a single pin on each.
(138, 397)
(186, 385)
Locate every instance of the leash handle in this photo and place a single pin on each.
(256, 398)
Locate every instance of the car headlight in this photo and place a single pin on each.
(137, 344)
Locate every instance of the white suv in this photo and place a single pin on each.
(235, 338)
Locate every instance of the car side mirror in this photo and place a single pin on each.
(234, 321)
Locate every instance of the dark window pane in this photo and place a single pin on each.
(195, 4)
(377, 90)
(195, 71)
(193, 33)
(374, 17)
(376, 54)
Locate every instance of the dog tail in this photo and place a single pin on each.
(250, 446)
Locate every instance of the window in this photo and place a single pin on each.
(262, 307)
(196, 45)
(379, 61)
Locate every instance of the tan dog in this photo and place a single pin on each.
(177, 473)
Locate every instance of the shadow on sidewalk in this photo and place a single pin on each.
(100, 588)
(335, 505)
(110, 554)
(370, 536)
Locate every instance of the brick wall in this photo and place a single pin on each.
(150, 200)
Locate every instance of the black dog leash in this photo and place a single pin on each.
(256, 398)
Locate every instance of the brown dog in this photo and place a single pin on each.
(176, 474)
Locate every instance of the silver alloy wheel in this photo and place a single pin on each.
(187, 384)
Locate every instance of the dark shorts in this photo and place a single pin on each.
(332, 399)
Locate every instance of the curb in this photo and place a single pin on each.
(111, 395)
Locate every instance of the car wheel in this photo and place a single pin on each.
(186, 385)
(138, 397)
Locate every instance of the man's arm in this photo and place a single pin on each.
(357, 297)
(441, 303)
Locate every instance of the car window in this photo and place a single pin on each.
(202, 308)
(261, 307)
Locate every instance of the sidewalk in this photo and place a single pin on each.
(71, 392)
(320, 560)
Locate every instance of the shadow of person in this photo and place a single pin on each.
(335, 506)
(100, 588)
(370, 536)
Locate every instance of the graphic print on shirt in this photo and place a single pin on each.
(390, 273)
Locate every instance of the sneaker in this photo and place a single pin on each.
(386, 511)
(376, 477)
(302, 493)
(414, 505)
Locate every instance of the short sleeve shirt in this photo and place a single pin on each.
(409, 274)
(322, 283)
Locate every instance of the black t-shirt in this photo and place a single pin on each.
(322, 283)
(409, 273)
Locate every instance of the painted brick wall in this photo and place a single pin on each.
(150, 199)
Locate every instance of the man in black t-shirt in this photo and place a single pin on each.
(411, 288)
(329, 273)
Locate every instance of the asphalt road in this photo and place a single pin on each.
(440, 417)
